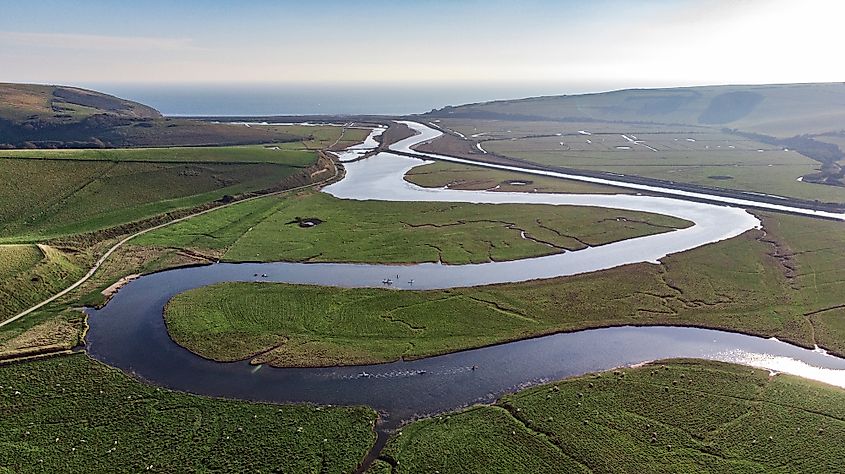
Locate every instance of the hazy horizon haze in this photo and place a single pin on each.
(216, 56)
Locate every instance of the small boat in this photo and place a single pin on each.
(263, 275)
(365, 375)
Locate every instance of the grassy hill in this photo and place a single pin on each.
(65, 104)
(48, 116)
(679, 416)
(71, 414)
(778, 110)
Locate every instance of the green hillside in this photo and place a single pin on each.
(778, 110)
(48, 116)
(29, 102)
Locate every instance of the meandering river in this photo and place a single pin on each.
(129, 332)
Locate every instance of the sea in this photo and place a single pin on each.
(317, 99)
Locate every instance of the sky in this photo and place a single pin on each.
(562, 45)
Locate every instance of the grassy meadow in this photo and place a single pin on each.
(18, 258)
(80, 200)
(60, 324)
(670, 416)
(456, 176)
(64, 192)
(813, 252)
(785, 283)
(43, 200)
(327, 136)
(290, 153)
(189, 132)
(298, 325)
(306, 325)
(72, 414)
(394, 232)
(29, 273)
(681, 153)
(294, 154)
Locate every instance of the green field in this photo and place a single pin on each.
(790, 288)
(327, 136)
(304, 325)
(376, 231)
(71, 414)
(292, 154)
(30, 273)
(680, 153)
(814, 250)
(45, 199)
(79, 200)
(675, 416)
(60, 324)
(457, 176)
(64, 192)
(297, 325)
(16, 259)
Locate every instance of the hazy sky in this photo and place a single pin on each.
(601, 44)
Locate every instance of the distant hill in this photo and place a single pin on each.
(782, 110)
(49, 116)
(30, 102)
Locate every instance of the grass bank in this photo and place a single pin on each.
(784, 282)
(28, 272)
(71, 414)
(293, 153)
(457, 176)
(304, 325)
(403, 232)
(49, 199)
(57, 193)
(675, 416)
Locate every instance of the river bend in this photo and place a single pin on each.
(129, 332)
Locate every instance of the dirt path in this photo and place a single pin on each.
(116, 246)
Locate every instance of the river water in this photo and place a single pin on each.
(426, 134)
(129, 332)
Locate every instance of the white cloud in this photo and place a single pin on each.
(10, 39)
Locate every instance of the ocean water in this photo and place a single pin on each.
(309, 99)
